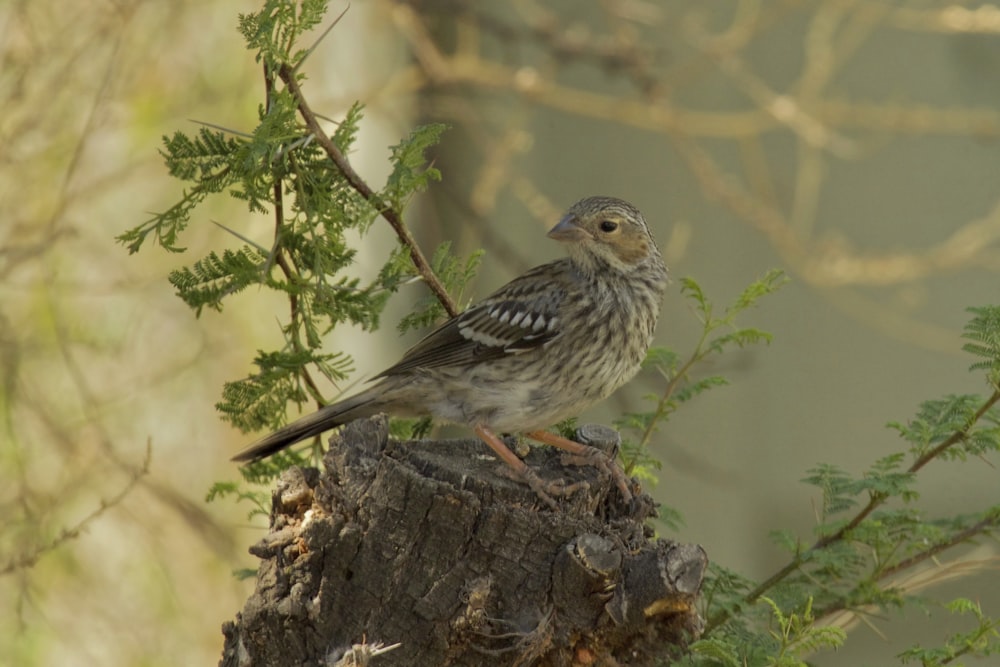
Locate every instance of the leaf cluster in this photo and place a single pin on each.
(288, 169)
(719, 333)
(982, 640)
(871, 536)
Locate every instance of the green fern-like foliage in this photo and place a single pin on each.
(452, 270)
(208, 281)
(984, 332)
(410, 170)
(871, 530)
(274, 31)
(289, 170)
(680, 380)
(982, 640)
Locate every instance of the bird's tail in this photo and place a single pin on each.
(365, 404)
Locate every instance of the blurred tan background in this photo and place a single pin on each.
(853, 144)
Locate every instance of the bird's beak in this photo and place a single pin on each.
(568, 230)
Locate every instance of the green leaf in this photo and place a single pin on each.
(410, 170)
(938, 420)
(348, 128)
(410, 429)
(740, 338)
(692, 290)
(837, 486)
(697, 387)
(259, 400)
(981, 641)
(984, 331)
(787, 540)
(719, 652)
(772, 281)
(213, 278)
(206, 160)
(273, 31)
(454, 274)
(661, 359)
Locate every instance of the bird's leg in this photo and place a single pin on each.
(587, 455)
(521, 470)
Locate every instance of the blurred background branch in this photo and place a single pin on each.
(852, 143)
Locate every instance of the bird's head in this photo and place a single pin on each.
(604, 233)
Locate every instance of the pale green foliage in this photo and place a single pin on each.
(797, 636)
(786, 640)
(938, 420)
(274, 31)
(410, 171)
(984, 331)
(719, 333)
(452, 271)
(410, 429)
(281, 169)
(871, 529)
(982, 640)
(208, 281)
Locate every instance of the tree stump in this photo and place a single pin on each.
(430, 546)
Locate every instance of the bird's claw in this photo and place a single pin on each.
(606, 465)
(545, 490)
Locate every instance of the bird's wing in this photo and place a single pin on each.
(520, 316)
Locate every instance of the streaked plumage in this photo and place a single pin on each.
(542, 348)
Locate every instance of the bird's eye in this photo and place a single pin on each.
(608, 226)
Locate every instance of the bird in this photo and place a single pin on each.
(540, 349)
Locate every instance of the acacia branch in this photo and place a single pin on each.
(876, 500)
(391, 216)
(279, 257)
(982, 527)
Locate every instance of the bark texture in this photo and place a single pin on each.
(431, 546)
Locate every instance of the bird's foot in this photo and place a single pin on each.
(604, 464)
(587, 455)
(545, 490)
(518, 470)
